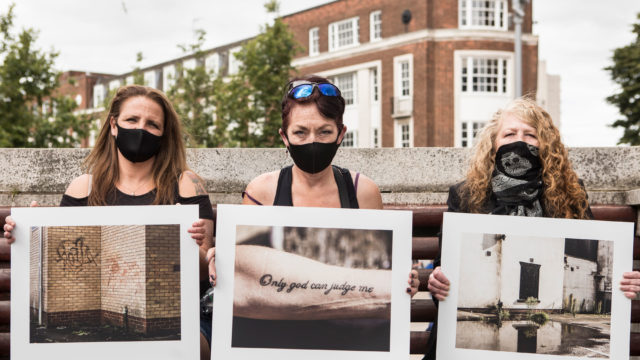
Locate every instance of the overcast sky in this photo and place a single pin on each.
(576, 38)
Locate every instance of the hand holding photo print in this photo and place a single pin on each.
(303, 286)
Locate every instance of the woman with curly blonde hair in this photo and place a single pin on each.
(519, 167)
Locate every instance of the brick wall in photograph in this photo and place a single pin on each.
(123, 271)
(34, 269)
(72, 268)
(163, 276)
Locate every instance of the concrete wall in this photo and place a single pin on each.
(579, 284)
(405, 176)
(480, 257)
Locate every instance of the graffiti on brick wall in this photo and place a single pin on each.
(75, 255)
(122, 273)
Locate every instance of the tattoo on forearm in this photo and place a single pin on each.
(281, 285)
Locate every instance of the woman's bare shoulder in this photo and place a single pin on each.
(79, 187)
(262, 188)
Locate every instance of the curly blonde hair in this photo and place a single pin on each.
(563, 195)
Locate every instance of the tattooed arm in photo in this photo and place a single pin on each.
(267, 288)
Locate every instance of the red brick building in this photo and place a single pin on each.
(415, 72)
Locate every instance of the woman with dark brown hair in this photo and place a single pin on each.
(541, 182)
(140, 159)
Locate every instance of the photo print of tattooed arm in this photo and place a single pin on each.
(266, 288)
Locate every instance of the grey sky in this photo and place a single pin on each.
(576, 38)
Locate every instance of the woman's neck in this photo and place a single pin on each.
(135, 178)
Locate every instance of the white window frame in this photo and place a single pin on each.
(212, 64)
(398, 132)
(114, 84)
(466, 13)
(472, 128)
(398, 61)
(376, 137)
(168, 77)
(354, 89)
(375, 26)
(375, 85)
(129, 80)
(334, 41)
(470, 63)
(314, 41)
(150, 79)
(99, 93)
(234, 64)
(350, 139)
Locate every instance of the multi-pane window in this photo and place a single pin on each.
(348, 140)
(405, 135)
(484, 75)
(483, 14)
(314, 41)
(234, 64)
(343, 34)
(168, 77)
(150, 78)
(374, 85)
(99, 93)
(375, 26)
(405, 78)
(376, 137)
(469, 131)
(347, 85)
(212, 63)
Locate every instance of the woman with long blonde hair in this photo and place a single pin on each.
(519, 167)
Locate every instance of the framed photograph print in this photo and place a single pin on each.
(104, 283)
(311, 283)
(534, 288)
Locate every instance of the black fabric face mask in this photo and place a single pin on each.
(313, 157)
(137, 145)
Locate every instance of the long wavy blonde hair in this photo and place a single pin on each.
(563, 195)
(169, 163)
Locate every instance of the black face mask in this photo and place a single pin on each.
(313, 157)
(137, 145)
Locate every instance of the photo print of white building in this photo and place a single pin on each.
(548, 295)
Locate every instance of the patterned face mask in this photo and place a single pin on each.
(517, 180)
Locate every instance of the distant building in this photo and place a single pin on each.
(548, 95)
(413, 72)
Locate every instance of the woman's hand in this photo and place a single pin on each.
(198, 231)
(438, 284)
(414, 283)
(211, 259)
(9, 225)
(630, 284)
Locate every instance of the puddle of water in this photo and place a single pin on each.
(552, 338)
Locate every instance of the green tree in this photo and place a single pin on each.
(625, 71)
(193, 96)
(31, 114)
(254, 93)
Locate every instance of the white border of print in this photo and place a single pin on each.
(229, 216)
(186, 348)
(455, 224)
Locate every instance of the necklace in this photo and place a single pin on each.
(133, 193)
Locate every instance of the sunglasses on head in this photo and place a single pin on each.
(303, 89)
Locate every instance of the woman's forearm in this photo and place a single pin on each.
(272, 284)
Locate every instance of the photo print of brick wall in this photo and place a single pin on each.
(85, 279)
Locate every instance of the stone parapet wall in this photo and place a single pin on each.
(415, 176)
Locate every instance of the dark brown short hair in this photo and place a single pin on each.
(331, 107)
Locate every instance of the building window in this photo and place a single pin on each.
(314, 41)
(349, 140)
(375, 26)
(376, 137)
(168, 77)
(490, 14)
(469, 132)
(212, 63)
(150, 78)
(99, 93)
(405, 78)
(375, 93)
(347, 85)
(484, 75)
(234, 64)
(114, 84)
(343, 34)
(403, 133)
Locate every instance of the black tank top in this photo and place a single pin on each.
(346, 189)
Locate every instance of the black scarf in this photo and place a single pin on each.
(517, 180)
